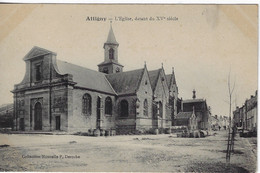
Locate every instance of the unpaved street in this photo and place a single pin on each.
(21, 152)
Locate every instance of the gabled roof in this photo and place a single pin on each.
(37, 51)
(125, 82)
(170, 78)
(85, 77)
(184, 115)
(154, 75)
(111, 39)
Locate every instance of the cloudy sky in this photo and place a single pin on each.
(203, 45)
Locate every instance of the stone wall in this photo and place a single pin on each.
(59, 100)
(144, 93)
(31, 91)
(25, 109)
(126, 124)
(161, 94)
(80, 122)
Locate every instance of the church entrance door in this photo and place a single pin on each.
(98, 112)
(57, 122)
(22, 124)
(38, 116)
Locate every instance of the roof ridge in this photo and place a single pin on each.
(140, 79)
(110, 85)
(85, 77)
(202, 99)
(154, 70)
(157, 77)
(170, 81)
(125, 82)
(44, 52)
(123, 72)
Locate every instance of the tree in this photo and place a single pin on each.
(230, 92)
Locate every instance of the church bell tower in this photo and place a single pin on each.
(110, 64)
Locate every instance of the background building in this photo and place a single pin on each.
(6, 112)
(246, 115)
(201, 109)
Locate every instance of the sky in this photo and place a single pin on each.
(204, 44)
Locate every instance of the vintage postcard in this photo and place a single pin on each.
(128, 88)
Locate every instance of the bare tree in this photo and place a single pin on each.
(230, 92)
(230, 145)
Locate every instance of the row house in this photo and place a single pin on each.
(246, 115)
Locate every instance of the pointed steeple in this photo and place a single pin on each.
(110, 63)
(111, 39)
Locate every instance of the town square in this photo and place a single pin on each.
(128, 88)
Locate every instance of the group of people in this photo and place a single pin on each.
(218, 127)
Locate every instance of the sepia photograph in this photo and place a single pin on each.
(128, 87)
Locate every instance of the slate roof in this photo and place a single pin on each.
(153, 75)
(85, 77)
(184, 115)
(125, 82)
(111, 39)
(170, 78)
(193, 100)
(109, 62)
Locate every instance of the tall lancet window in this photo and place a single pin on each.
(111, 53)
(86, 104)
(108, 106)
(145, 108)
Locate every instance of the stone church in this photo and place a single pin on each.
(59, 96)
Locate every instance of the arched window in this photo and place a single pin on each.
(160, 109)
(108, 106)
(86, 104)
(111, 53)
(124, 108)
(145, 108)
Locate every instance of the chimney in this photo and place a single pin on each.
(194, 94)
